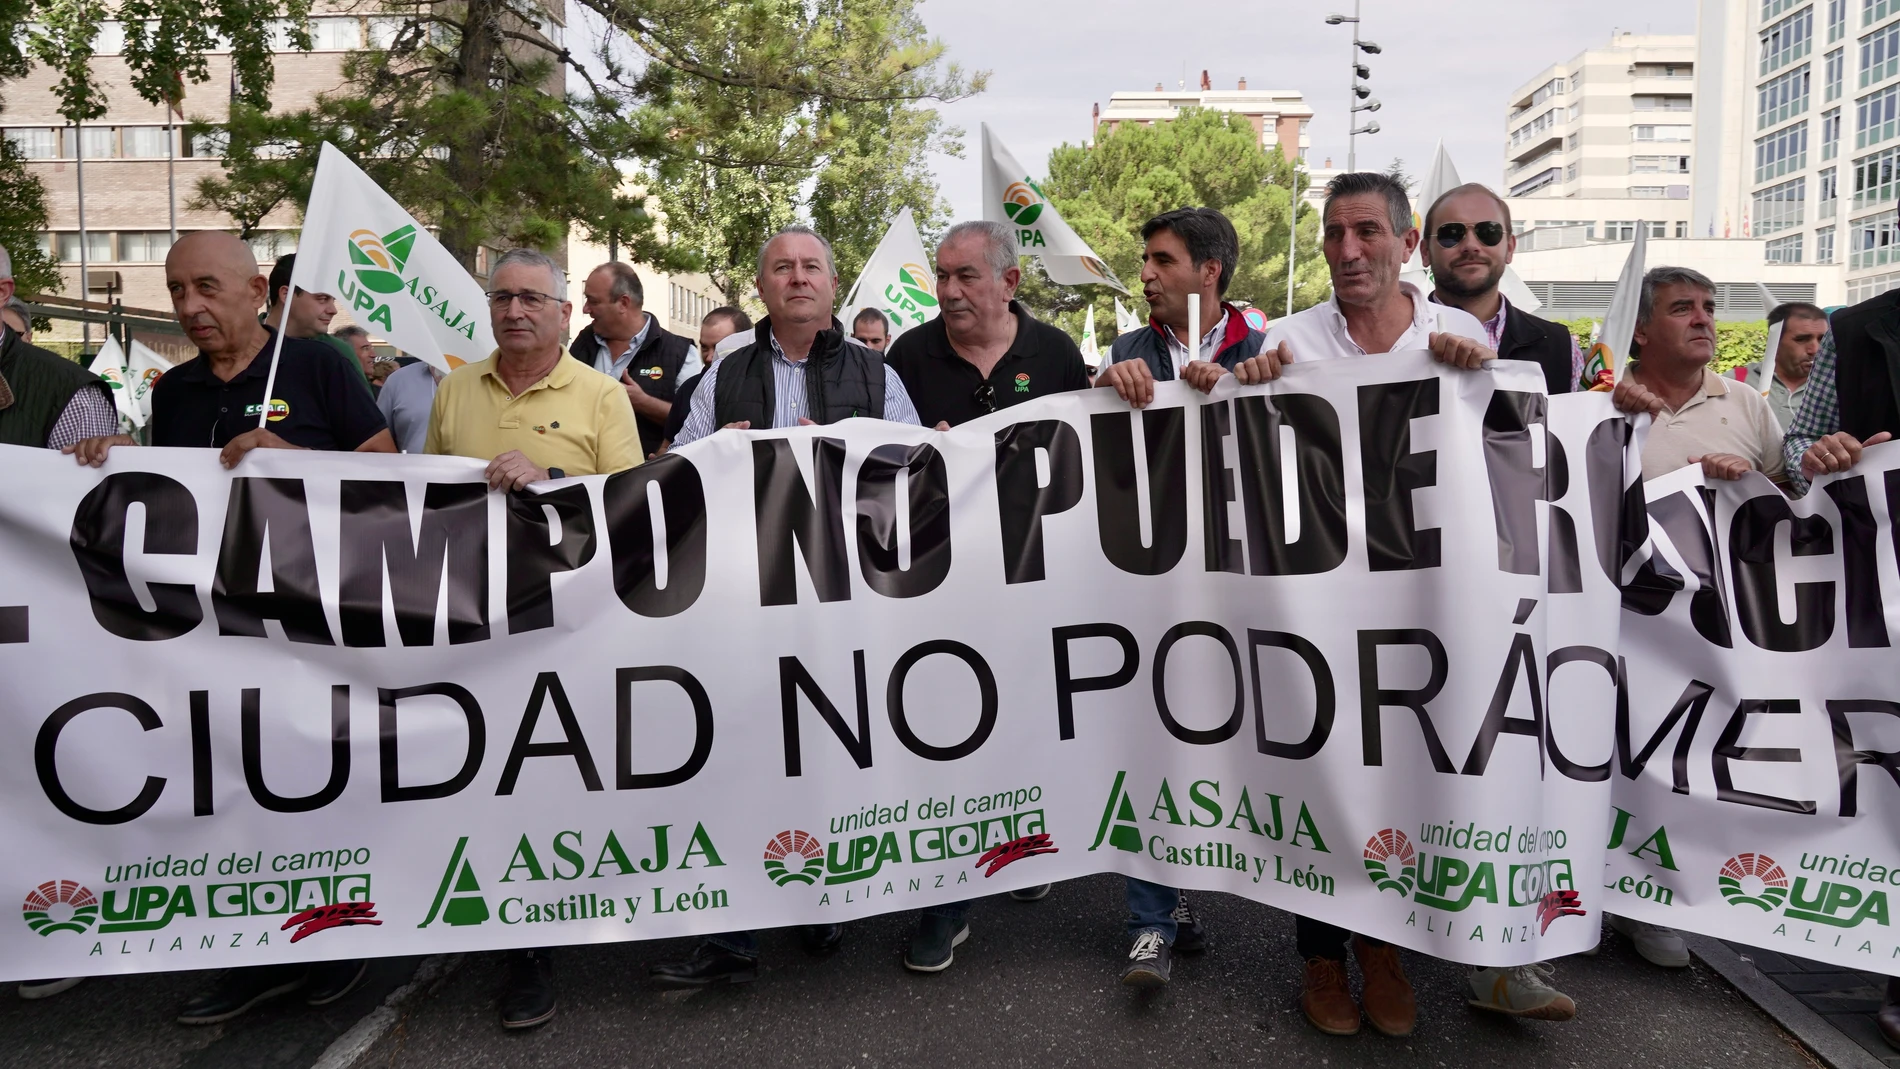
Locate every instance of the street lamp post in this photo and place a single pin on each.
(1357, 92)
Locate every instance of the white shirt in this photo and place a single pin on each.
(1319, 333)
(1210, 344)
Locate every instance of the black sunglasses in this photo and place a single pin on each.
(1450, 234)
(985, 395)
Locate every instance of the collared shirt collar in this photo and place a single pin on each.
(949, 350)
(559, 375)
(1211, 339)
(1493, 327)
(1424, 315)
(617, 365)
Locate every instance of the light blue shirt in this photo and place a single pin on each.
(788, 388)
(614, 367)
(405, 401)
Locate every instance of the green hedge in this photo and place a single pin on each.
(1735, 343)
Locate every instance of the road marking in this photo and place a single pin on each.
(362, 1035)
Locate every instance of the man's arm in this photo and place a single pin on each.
(897, 404)
(383, 441)
(1818, 416)
(644, 403)
(699, 418)
(616, 437)
(90, 414)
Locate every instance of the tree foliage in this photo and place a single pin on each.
(22, 220)
(1202, 158)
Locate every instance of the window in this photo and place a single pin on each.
(1647, 192)
(1576, 81)
(279, 30)
(1880, 54)
(1861, 289)
(1771, 8)
(144, 246)
(1781, 153)
(1659, 165)
(1554, 87)
(101, 142)
(1682, 228)
(1781, 207)
(1536, 182)
(269, 245)
(35, 142)
(1824, 245)
(98, 246)
(1570, 173)
(1784, 42)
(1619, 230)
(1827, 199)
(1535, 128)
(1830, 133)
(1875, 115)
(1833, 73)
(1589, 226)
(1659, 133)
(146, 142)
(335, 34)
(1836, 20)
(1780, 99)
(1873, 241)
(1575, 110)
(110, 40)
(1783, 250)
(1874, 178)
(1650, 102)
(1872, 11)
(1667, 70)
(209, 144)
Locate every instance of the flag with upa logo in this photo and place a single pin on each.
(1010, 197)
(109, 364)
(896, 280)
(1610, 351)
(143, 366)
(395, 278)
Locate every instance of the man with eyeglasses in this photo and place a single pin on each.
(1469, 245)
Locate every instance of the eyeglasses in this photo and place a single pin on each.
(985, 395)
(499, 300)
(1450, 234)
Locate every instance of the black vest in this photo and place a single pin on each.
(1867, 365)
(655, 366)
(842, 379)
(42, 384)
(1546, 344)
(1150, 346)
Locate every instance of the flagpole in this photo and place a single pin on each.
(1292, 234)
(277, 350)
(79, 177)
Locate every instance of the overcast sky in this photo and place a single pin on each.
(1446, 71)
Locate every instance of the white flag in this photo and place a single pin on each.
(109, 364)
(896, 280)
(396, 279)
(1442, 178)
(1763, 377)
(143, 366)
(1125, 321)
(1091, 352)
(1011, 198)
(1611, 349)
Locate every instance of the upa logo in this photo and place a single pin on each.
(380, 264)
(794, 848)
(60, 906)
(379, 260)
(1384, 849)
(1755, 880)
(1023, 202)
(909, 299)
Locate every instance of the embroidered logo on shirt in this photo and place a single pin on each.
(651, 372)
(553, 426)
(1022, 382)
(278, 410)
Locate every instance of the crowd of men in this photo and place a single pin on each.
(626, 389)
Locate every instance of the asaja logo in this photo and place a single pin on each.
(1382, 851)
(60, 906)
(1754, 879)
(1022, 202)
(1022, 382)
(799, 848)
(379, 260)
(380, 265)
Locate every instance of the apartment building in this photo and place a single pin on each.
(1280, 116)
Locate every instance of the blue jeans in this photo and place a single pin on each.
(1151, 908)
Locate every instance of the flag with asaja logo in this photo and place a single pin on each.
(897, 280)
(390, 273)
(1010, 197)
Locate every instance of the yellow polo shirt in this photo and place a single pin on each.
(575, 418)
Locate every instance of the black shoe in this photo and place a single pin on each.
(1148, 961)
(710, 964)
(238, 990)
(331, 980)
(822, 940)
(934, 945)
(1032, 894)
(528, 998)
(1190, 937)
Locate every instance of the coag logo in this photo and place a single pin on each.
(1383, 851)
(794, 848)
(1022, 202)
(379, 260)
(1753, 879)
(60, 906)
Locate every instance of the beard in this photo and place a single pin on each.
(1451, 283)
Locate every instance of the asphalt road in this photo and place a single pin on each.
(1035, 986)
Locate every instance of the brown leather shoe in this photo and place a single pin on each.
(1889, 1016)
(1326, 1001)
(1390, 1004)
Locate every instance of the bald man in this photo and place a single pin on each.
(215, 399)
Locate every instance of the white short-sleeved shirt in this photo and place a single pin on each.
(1319, 332)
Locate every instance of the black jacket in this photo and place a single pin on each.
(842, 379)
(1867, 365)
(656, 367)
(1546, 344)
(39, 385)
(1149, 344)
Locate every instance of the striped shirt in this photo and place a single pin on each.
(788, 389)
(1817, 416)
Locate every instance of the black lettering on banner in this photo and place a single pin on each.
(1117, 503)
(1068, 686)
(46, 759)
(273, 509)
(387, 737)
(1198, 736)
(1614, 667)
(1319, 479)
(1392, 471)
(98, 544)
(1687, 526)
(986, 714)
(1751, 549)
(785, 512)
(1848, 758)
(1563, 558)
(202, 794)
(1726, 750)
(1217, 489)
(1325, 700)
(929, 505)
(1860, 558)
(1618, 521)
(1517, 486)
(374, 528)
(547, 687)
(625, 779)
(793, 679)
(631, 534)
(1519, 662)
(1690, 704)
(1373, 698)
(532, 561)
(1022, 502)
(251, 730)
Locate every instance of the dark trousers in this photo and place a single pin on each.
(1317, 939)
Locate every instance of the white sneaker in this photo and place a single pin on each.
(1658, 945)
(37, 989)
(1521, 992)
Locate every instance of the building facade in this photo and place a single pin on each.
(1279, 116)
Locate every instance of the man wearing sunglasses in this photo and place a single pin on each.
(1470, 244)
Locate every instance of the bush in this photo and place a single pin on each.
(1735, 343)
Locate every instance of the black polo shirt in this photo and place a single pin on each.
(1041, 361)
(318, 400)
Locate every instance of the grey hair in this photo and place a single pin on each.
(1667, 276)
(534, 258)
(6, 264)
(350, 331)
(999, 242)
(1398, 205)
(831, 262)
(626, 281)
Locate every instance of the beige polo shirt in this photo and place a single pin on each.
(1726, 417)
